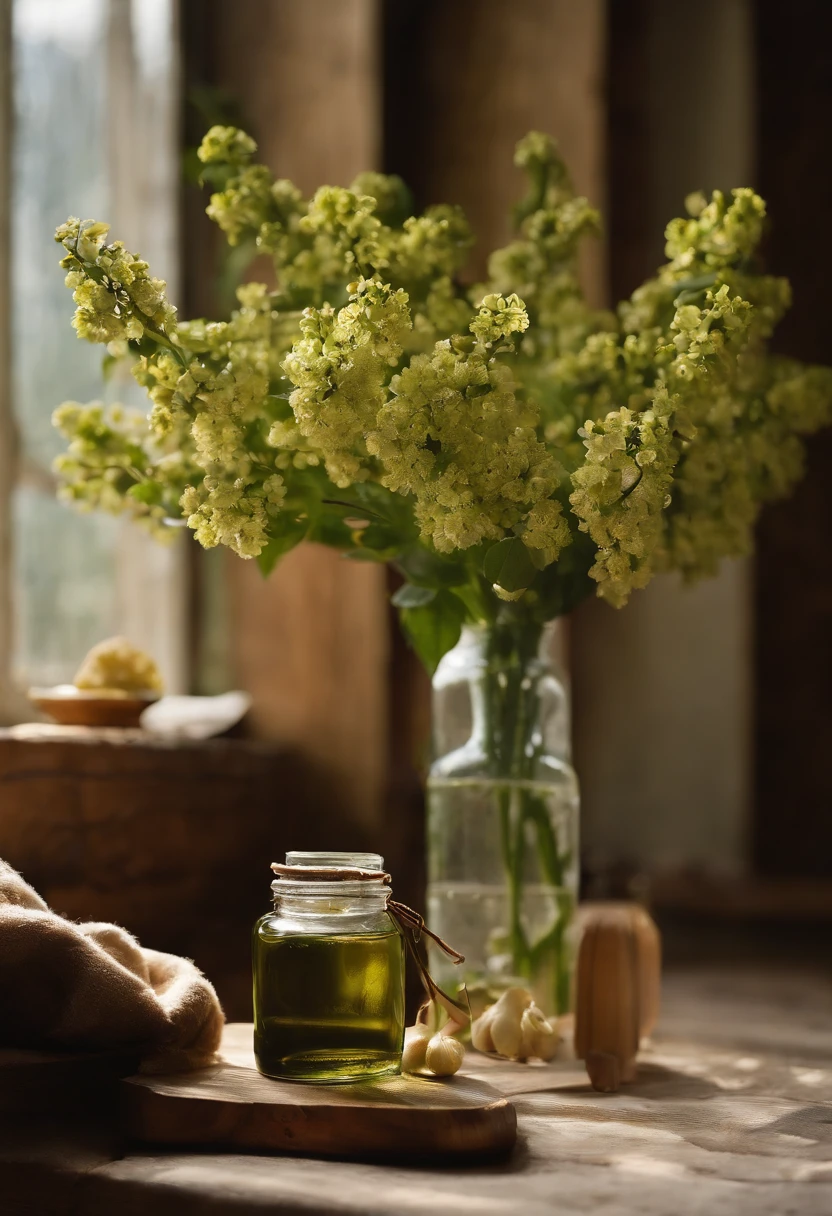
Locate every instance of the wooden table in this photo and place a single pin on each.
(732, 1113)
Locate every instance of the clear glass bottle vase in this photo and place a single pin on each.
(502, 822)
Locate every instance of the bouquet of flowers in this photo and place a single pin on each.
(508, 448)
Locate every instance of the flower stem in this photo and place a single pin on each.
(513, 744)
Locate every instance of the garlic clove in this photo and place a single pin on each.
(444, 1055)
(416, 1040)
(534, 1020)
(546, 1044)
(514, 1001)
(539, 1038)
(481, 1031)
(530, 1023)
(506, 1033)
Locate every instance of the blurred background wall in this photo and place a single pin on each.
(664, 691)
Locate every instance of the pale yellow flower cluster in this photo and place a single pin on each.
(622, 491)
(456, 436)
(373, 402)
(340, 366)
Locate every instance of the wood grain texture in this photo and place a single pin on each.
(310, 644)
(397, 1118)
(172, 841)
(607, 1015)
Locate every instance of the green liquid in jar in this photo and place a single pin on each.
(327, 1008)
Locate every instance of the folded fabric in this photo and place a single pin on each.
(90, 987)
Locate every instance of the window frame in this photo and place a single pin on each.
(8, 694)
(150, 581)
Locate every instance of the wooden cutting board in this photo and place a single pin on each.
(403, 1118)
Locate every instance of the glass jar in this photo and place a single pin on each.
(502, 822)
(328, 967)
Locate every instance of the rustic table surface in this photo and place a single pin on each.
(731, 1113)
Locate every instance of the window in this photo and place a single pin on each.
(91, 101)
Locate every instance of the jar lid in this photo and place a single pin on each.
(335, 861)
(306, 867)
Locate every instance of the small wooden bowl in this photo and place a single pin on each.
(71, 706)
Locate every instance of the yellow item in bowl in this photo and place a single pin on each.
(116, 667)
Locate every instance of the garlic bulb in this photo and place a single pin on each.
(439, 1055)
(415, 1047)
(516, 1028)
(444, 1055)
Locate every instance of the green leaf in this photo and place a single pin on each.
(426, 568)
(378, 538)
(566, 583)
(434, 628)
(286, 533)
(329, 529)
(148, 492)
(409, 596)
(508, 565)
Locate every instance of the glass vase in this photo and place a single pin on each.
(502, 822)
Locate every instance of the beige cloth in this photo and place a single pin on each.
(93, 987)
